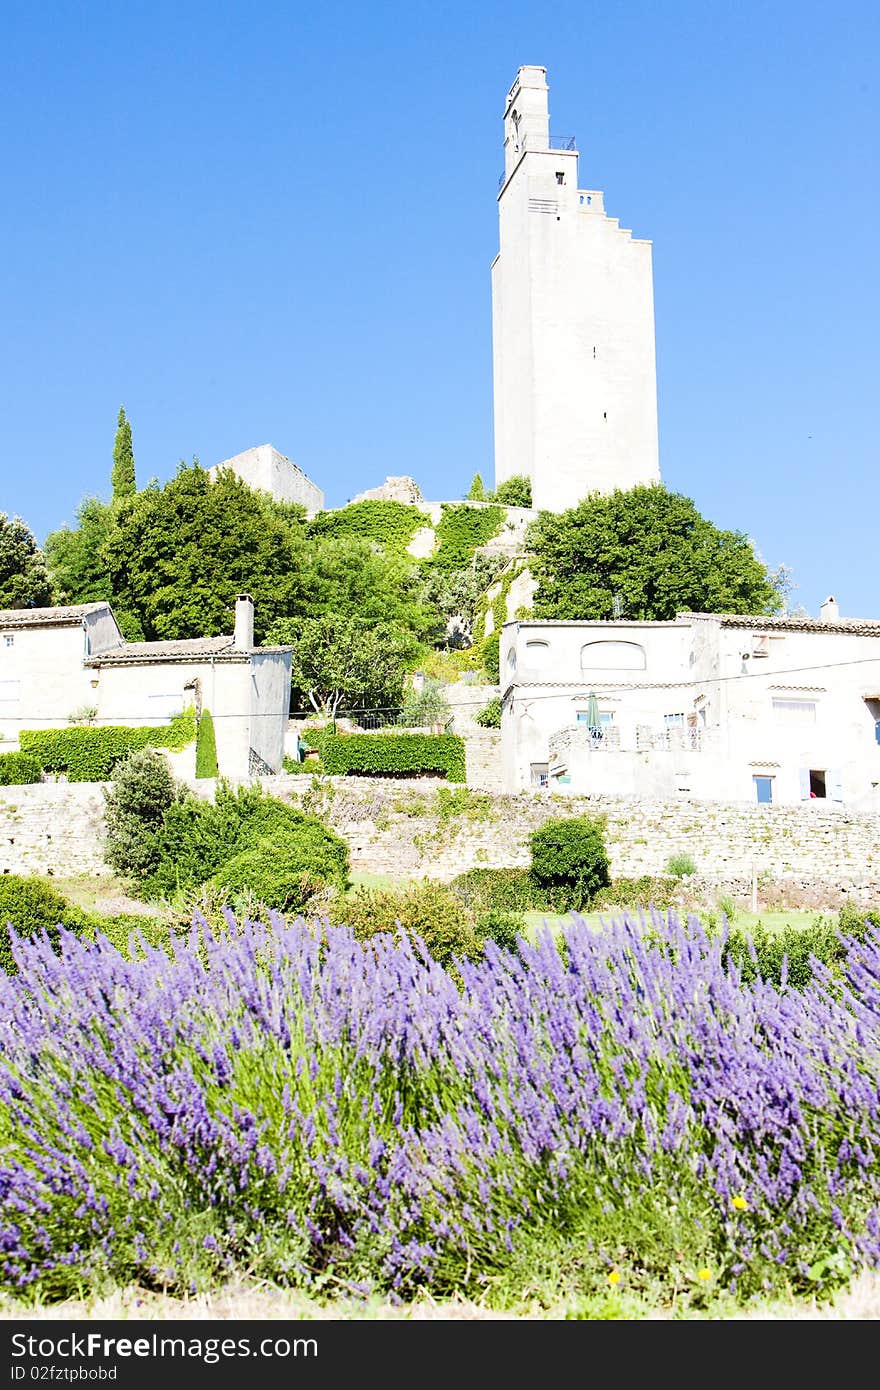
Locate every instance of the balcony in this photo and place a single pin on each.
(644, 739)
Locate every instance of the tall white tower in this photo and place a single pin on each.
(572, 322)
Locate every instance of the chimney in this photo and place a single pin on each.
(829, 612)
(243, 640)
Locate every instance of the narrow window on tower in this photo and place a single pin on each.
(604, 414)
(594, 352)
(560, 177)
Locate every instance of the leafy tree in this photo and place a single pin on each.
(569, 860)
(445, 593)
(652, 548)
(141, 791)
(122, 477)
(75, 557)
(514, 492)
(24, 579)
(427, 706)
(355, 578)
(340, 663)
(178, 556)
(476, 492)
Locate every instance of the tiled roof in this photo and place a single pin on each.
(49, 617)
(866, 627)
(190, 649)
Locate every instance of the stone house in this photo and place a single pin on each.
(710, 706)
(58, 663)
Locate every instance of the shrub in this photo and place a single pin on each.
(16, 769)
(389, 523)
(281, 876)
(206, 747)
(489, 717)
(680, 865)
(646, 891)
(504, 928)
(141, 792)
(515, 492)
(498, 890)
(491, 654)
(393, 755)
(569, 860)
(89, 754)
(199, 838)
(126, 930)
(30, 907)
(462, 529)
(760, 953)
(427, 910)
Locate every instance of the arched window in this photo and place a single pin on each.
(537, 652)
(612, 656)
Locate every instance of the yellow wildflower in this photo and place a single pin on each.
(704, 1274)
(614, 1277)
(740, 1203)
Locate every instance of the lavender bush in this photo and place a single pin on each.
(289, 1103)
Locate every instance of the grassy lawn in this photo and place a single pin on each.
(746, 921)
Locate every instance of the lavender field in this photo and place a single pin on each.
(616, 1108)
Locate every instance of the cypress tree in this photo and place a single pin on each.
(123, 476)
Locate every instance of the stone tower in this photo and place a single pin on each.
(572, 322)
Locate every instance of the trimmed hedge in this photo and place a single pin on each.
(391, 524)
(88, 754)
(206, 747)
(16, 769)
(393, 755)
(498, 890)
(461, 531)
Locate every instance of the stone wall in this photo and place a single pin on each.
(400, 827)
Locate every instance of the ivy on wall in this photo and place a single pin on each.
(462, 529)
(87, 754)
(391, 755)
(391, 524)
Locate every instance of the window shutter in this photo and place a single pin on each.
(834, 781)
(805, 783)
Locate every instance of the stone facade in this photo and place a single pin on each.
(264, 469)
(393, 827)
(575, 385)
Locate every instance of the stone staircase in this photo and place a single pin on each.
(482, 746)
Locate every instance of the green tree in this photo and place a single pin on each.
(122, 478)
(515, 492)
(179, 554)
(355, 578)
(75, 557)
(445, 593)
(340, 663)
(477, 491)
(653, 549)
(141, 791)
(206, 747)
(24, 579)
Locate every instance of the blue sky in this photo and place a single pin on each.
(274, 223)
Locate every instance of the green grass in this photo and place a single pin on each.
(746, 921)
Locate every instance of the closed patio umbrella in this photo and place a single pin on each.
(594, 723)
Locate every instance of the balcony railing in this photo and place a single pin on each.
(645, 738)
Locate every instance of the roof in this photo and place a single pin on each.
(220, 648)
(865, 627)
(50, 617)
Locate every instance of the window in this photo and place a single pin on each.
(673, 721)
(794, 712)
(537, 652)
(511, 660)
(606, 717)
(761, 644)
(821, 784)
(560, 177)
(539, 774)
(8, 641)
(763, 790)
(612, 656)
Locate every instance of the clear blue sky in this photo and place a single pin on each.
(273, 222)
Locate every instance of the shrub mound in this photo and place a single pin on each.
(31, 906)
(18, 769)
(569, 861)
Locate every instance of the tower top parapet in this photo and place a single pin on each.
(526, 116)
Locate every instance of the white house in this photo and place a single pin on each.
(711, 706)
(58, 662)
(575, 383)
